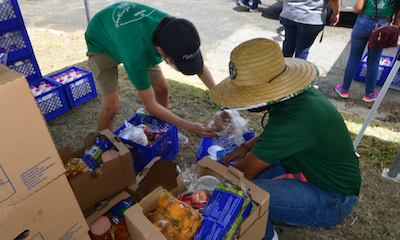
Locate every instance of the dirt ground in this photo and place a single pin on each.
(376, 215)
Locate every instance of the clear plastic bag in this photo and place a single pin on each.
(229, 124)
(175, 219)
(134, 134)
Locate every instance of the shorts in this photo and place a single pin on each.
(105, 72)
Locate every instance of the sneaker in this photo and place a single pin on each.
(182, 139)
(342, 93)
(368, 98)
(253, 10)
(241, 4)
(275, 236)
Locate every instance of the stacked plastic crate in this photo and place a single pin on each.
(385, 66)
(14, 41)
(60, 97)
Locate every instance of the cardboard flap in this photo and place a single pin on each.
(108, 134)
(110, 203)
(150, 201)
(139, 227)
(232, 174)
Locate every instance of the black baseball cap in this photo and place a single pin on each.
(180, 40)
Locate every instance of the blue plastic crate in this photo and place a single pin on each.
(383, 71)
(167, 146)
(15, 42)
(52, 103)
(27, 66)
(226, 143)
(10, 14)
(81, 89)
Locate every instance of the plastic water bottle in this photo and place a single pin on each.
(72, 73)
(64, 77)
(386, 62)
(33, 89)
(70, 79)
(42, 86)
(47, 88)
(56, 79)
(37, 92)
(78, 74)
(62, 81)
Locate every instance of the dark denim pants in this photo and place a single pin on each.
(362, 30)
(301, 203)
(298, 38)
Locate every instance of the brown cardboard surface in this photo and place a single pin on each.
(253, 227)
(118, 173)
(29, 159)
(34, 193)
(157, 173)
(51, 213)
(111, 202)
(139, 226)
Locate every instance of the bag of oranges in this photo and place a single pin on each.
(175, 219)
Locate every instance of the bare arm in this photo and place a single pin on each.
(334, 19)
(358, 7)
(152, 106)
(239, 153)
(206, 77)
(251, 166)
(397, 19)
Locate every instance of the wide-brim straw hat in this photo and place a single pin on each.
(260, 76)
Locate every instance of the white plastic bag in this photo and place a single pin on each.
(134, 134)
(229, 124)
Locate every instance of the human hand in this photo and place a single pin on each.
(239, 153)
(201, 130)
(334, 19)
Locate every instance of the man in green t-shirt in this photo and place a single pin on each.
(140, 37)
(304, 157)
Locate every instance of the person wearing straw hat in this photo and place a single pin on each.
(304, 157)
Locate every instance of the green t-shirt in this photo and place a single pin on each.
(385, 8)
(124, 31)
(307, 134)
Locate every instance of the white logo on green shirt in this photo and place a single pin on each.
(121, 10)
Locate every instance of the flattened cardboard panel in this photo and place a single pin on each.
(29, 158)
(51, 213)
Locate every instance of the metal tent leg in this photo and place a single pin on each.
(393, 172)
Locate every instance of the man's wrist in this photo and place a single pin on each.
(245, 147)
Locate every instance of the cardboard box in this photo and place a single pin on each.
(117, 174)
(157, 173)
(253, 227)
(111, 202)
(35, 196)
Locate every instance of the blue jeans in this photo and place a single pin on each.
(362, 30)
(298, 38)
(254, 5)
(301, 203)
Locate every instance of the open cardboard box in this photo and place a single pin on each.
(36, 200)
(253, 227)
(157, 173)
(118, 173)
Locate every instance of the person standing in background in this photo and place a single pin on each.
(140, 37)
(362, 30)
(302, 21)
(246, 4)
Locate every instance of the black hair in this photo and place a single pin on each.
(156, 34)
